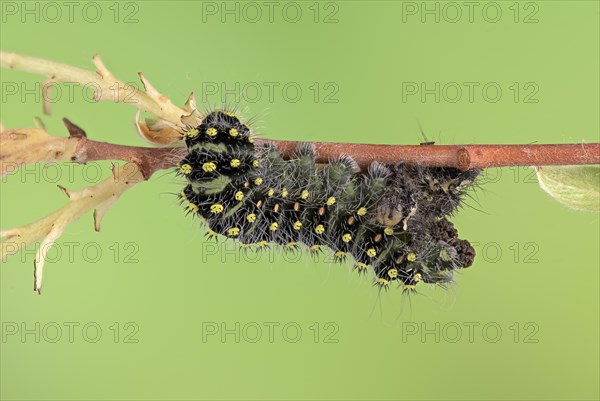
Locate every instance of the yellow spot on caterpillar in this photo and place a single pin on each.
(229, 113)
(305, 194)
(250, 139)
(193, 207)
(331, 201)
(261, 244)
(388, 231)
(393, 273)
(216, 208)
(271, 192)
(347, 237)
(411, 257)
(297, 225)
(340, 255)
(212, 132)
(251, 218)
(235, 163)
(233, 232)
(242, 245)
(320, 229)
(185, 168)
(233, 132)
(361, 266)
(255, 163)
(362, 211)
(274, 227)
(192, 133)
(418, 277)
(291, 245)
(383, 282)
(258, 181)
(182, 195)
(315, 248)
(209, 167)
(409, 287)
(284, 192)
(239, 195)
(371, 252)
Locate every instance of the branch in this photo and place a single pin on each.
(163, 130)
(459, 156)
(30, 145)
(107, 87)
(98, 197)
(464, 157)
(23, 146)
(34, 145)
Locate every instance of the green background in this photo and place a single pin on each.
(537, 264)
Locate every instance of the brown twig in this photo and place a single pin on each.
(464, 157)
(460, 156)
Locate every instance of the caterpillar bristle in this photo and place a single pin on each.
(378, 170)
(305, 150)
(391, 220)
(346, 162)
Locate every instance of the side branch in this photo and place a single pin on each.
(160, 130)
(98, 198)
(24, 146)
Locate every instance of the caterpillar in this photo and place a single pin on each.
(391, 220)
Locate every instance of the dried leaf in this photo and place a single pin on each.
(157, 132)
(577, 187)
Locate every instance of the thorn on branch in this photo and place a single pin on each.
(64, 190)
(75, 131)
(101, 69)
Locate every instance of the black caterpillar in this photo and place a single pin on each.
(391, 219)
